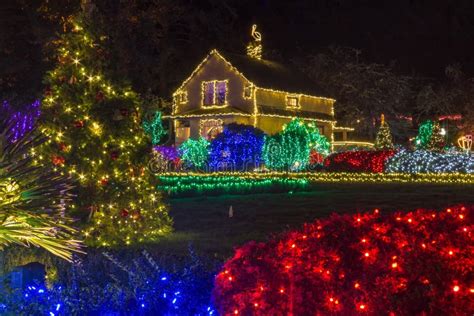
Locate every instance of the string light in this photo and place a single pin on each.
(423, 161)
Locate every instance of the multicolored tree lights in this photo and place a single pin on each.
(195, 153)
(402, 264)
(95, 136)
(423, 161)
(238, 147)
(358, 161)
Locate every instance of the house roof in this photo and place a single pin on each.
(272, 75)
(267, 74)
(270, 110)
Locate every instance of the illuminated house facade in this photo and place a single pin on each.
(248, 90)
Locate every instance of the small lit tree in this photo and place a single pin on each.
(195, 153)
(383, 141)
(436, 142)
(429, 136)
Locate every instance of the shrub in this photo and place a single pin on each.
(428, 161)
(195, 153)
(238, 147)
(417, 263)
(358, 161)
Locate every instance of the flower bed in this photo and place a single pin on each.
(358, 161)
(402, 264)
(422, 161)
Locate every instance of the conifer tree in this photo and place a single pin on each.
(436, 142)
(93, 121)
(383, 141)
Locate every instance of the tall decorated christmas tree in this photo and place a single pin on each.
(384, 137)
(95, 136)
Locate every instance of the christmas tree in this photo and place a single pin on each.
(383, 140)
(95, 136)
(436, 142)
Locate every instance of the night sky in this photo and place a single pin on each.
(418, 35)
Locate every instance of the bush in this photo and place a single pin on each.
(422, 161)
(358, 161)
(417, 263)
(238, 148)
(195, 153)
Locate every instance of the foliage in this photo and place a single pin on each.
(32, 198)
(195, 153)
(290, 149)
(358, 161)
(135, 286)
(185, 186)
(154, 128)
(238, 147)
(383, 141)
(95, 136)
(411, 263)
(422, 161)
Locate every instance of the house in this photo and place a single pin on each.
(247, 89)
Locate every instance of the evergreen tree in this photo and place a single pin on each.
(95, 136)
(436, 142)
(383, 140)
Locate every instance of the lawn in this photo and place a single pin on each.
(204, 221)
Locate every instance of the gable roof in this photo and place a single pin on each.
(266, 74)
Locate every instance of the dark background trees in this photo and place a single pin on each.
(410, 57)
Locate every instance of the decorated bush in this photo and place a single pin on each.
(427, 161)
(165, 158)
(195, 153)
(291, 148)
(416, 263)
(238, 147)
(358, 161)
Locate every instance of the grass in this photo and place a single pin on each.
(204, 221)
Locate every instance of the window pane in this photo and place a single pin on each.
(221, 92)
(208, 93)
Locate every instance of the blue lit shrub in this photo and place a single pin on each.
(238, 147)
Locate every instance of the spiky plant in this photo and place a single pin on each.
(32, 199)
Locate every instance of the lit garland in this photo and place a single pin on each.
(358, 161)
(351, 264)
(95, 137)
(195, 153)
(344, 177)
(154, 128)
(422, 161)
(182, 186)
(238, 147)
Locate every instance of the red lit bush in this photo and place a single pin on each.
(358, 161)
(418, 263)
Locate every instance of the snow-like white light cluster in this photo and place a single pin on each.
(422, 161)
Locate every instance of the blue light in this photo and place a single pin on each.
(40, 291)
(143, 305)
(58, 306)
(163, 279)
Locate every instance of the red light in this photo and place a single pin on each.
(282, 290)
(366, 254)
(461, 216)
(456, 288)
(450, 252)
(394, 265)
(362, 306)
(357, 285)
(293, 246)
(236, 312)
(449, 210)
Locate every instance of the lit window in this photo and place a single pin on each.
(248, 91)
(292, 101)
(214, 93)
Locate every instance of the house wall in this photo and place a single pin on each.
(272, 125)
(306, 103)
(215, 68)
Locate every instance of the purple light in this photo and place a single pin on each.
(22, 121)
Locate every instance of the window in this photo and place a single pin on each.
(292, 101)
(214, 93)
(209, 129)
(248, 91)
(183, 131)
